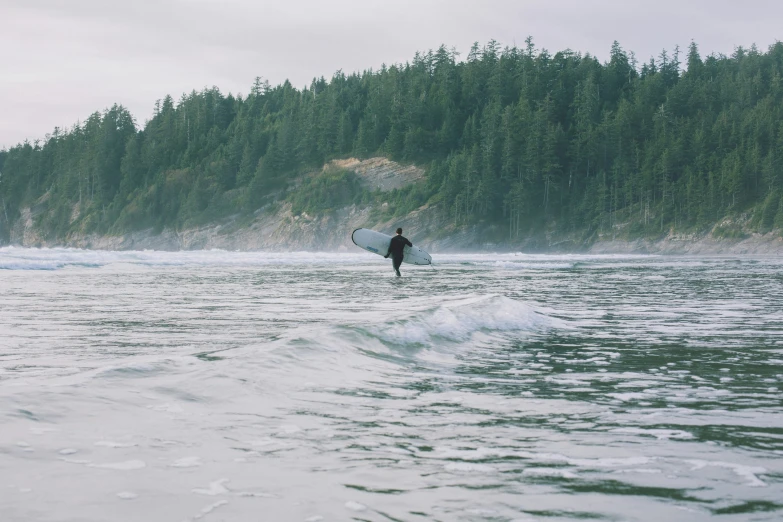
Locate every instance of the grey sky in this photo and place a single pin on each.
(61, 60)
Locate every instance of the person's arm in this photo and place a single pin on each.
(388, 252)
(408, 243)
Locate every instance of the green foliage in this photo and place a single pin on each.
(518, 139)
(769, 209)
(326, 192)
(778, 222)
(728, 231)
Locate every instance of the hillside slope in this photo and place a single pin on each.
(521, 147)
(275, 227)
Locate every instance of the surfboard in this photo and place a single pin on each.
(378, 243)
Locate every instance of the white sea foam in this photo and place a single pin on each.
(459, 321)
(355, 506)
(215, 488)
(75, 461)
(548, 472)
(187, 462)
(18, 258)
(15, 258)
(112, 444)
(749, 473)
(659, 434)
(520, 265)
(466, 467)
(209, 509)
(122, 466)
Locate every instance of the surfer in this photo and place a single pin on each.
(396, 246)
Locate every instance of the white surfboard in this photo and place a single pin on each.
(378, 243)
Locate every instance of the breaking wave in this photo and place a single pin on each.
(444, 328)
(459, 321)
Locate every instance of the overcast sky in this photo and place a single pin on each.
(61, 60)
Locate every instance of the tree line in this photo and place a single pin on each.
(513, 137)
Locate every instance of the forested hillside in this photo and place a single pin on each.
(520, 139)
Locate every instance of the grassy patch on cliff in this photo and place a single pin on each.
(327, 192)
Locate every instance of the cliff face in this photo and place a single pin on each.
(276, 228)
(380, 173)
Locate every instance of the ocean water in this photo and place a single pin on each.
(305, 387)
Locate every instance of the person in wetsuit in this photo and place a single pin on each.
(396, 246)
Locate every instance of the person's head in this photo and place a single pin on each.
(399, 231)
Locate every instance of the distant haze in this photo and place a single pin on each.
(62, 60)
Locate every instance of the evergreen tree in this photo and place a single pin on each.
(518, 138)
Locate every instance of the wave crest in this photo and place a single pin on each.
(458, 322)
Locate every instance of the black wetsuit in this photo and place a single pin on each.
(396, 246)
